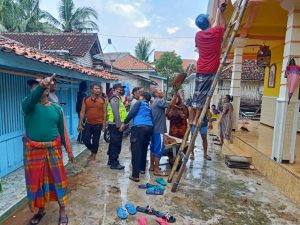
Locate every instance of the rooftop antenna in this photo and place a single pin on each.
(39, 45)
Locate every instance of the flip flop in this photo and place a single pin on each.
(146, 186)
(161, 181)
(130, 208)
(169, 218)
(154, 191)
(163, 174)
(121, 212)
(63, 220)
(148, 210)
(38, 217)
(134, 179)
(162, 221)
(142, 220)
(156, 186)
(207, 157)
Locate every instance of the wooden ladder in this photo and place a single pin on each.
(229, 37)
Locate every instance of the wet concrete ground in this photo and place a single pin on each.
(209, 193)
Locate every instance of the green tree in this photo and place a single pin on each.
(168, 64)
(24, 16)
(142, 49)
(76, 19)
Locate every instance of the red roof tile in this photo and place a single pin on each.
(78, 44)
(11, 46)
(158, 54)
(250, 71)
(187, 62)
(129, 62)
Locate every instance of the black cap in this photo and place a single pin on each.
(33, 81)
(119, 85)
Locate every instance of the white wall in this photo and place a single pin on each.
(268, 111)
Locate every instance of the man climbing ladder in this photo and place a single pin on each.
(234, 23)
(208, 43)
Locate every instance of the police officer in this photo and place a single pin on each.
(116, 113)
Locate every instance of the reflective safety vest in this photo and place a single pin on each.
(122, 110)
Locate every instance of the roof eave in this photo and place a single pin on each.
(16, 62)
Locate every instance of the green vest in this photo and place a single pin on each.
(122, 111)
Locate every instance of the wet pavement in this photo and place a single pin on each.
(209, 193)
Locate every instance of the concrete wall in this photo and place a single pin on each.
(268, 111)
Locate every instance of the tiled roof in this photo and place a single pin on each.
(187, 62)
(250, 71)
(78, 44)
(129, 62)
(158, 54)
(11, 46)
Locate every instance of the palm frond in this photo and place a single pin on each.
(66, 10)
(49, 18)
(86, 26)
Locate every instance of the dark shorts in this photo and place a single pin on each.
(203, 84)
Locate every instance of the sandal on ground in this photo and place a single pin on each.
(130, 208)
(161, 181)
(63, 220)
(162, 174)
(162, 221)
(142, 172)
(157, 186)
(142, 220)
(154, 191)
(148, 210)
(207, 157)
(122, 213)
(169, 218)
(218, 144)
(37, 217)
(146, 186)
(134, 179)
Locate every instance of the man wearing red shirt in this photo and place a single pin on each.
(208, 42)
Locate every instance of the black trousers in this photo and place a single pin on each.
(115, 144)
(91, 136)
(140, 138)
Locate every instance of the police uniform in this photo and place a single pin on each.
(116, 113)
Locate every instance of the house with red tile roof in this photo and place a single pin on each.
(18, 64)
(81, 48)
(144, 73)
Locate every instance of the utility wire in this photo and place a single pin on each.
(137, 37)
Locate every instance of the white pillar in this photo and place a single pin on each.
(286, 116)
(236, 76)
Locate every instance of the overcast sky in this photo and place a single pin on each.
(162, 21)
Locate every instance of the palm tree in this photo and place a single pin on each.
(142, 49)
(76, 19)
(24, 16)
(7, 15)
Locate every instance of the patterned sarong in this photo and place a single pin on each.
(44, 172)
